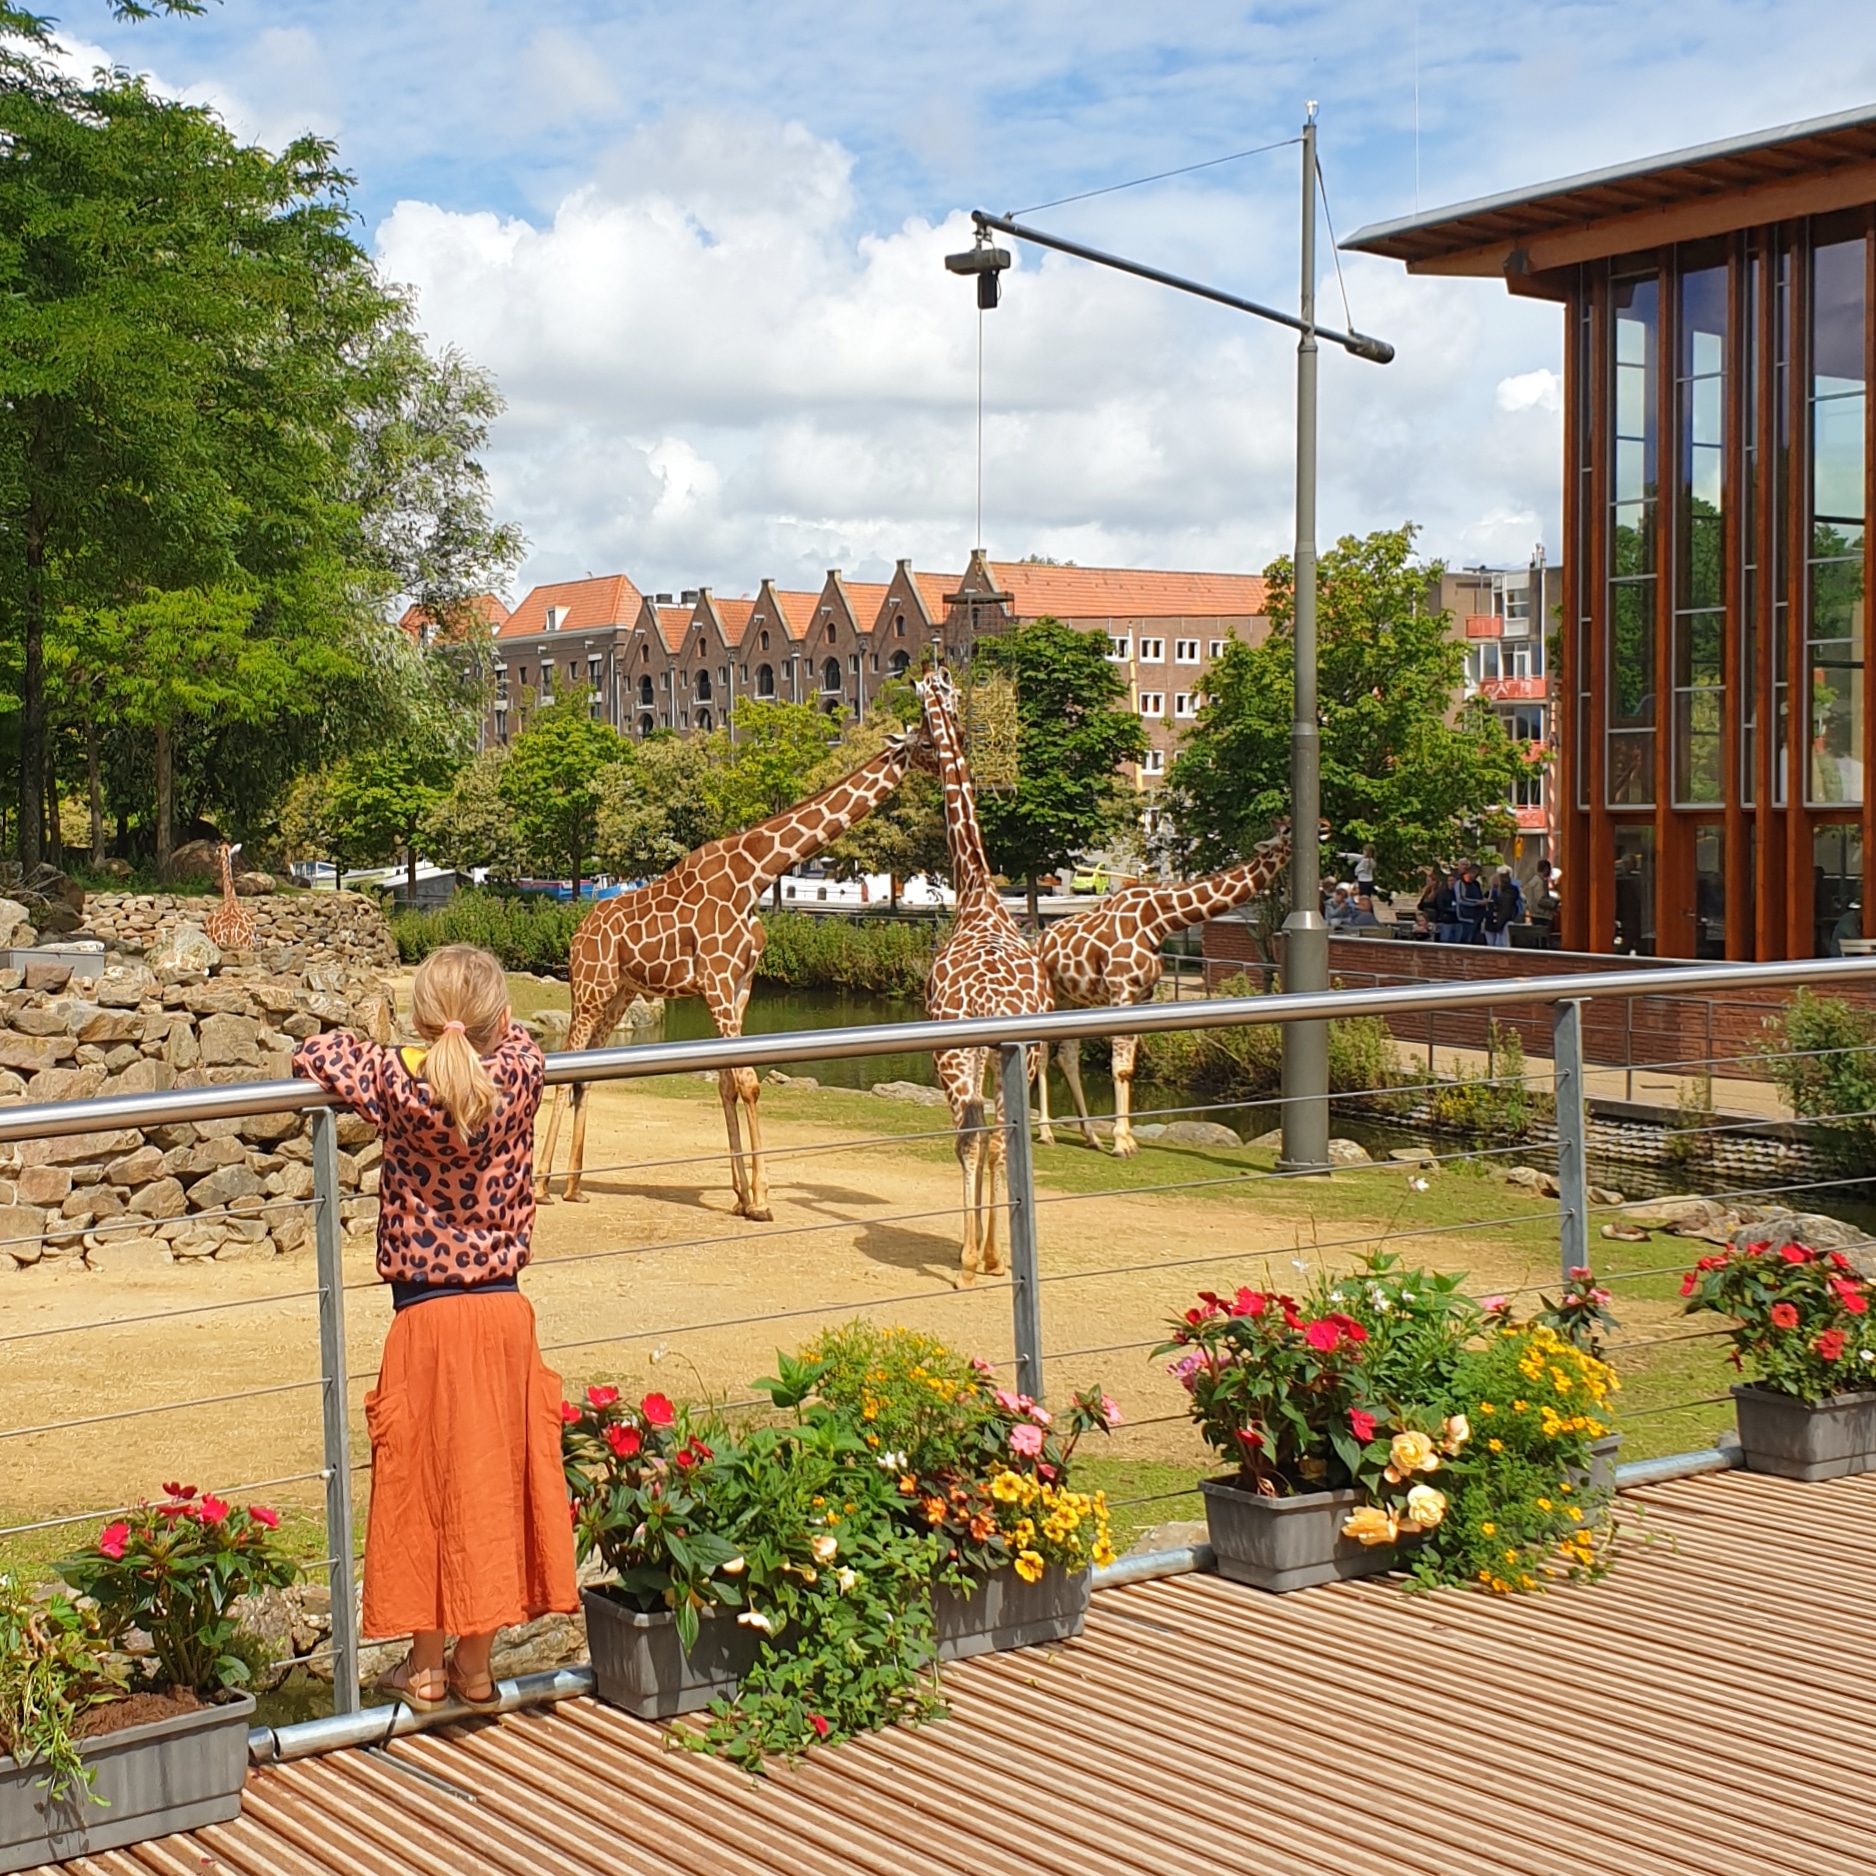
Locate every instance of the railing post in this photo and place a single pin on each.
(1572, 1135)
(1025, 1298)
(328, 1239)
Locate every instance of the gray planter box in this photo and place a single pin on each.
(642, 1667)
(1794, 1440)
(1599, 1475)
(169, 1775)
(1005, 1612)
(1287, 1543)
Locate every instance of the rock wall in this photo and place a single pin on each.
(294, 928)
(217, 1188)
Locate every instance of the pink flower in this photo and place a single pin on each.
(982, 1366)
(1579, 1273)
(1026, 1440)
(1110, 1410)
(112, 1538)
(1185, 1368)
(601, 1397)
(1040, 1415)
(1491, 1304)
(1361, 1424)
(266, 1519)
(1010, 1403)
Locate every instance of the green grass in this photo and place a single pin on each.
(36, 1555)
(1170, 1489)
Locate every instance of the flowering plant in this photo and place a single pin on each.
(1801, 1317)
(1581, 1313)
(984, 1467)
(53, 1667)
(174, 1570)
(1280, 1392)
(637, 1476)
(1495, 1496)
(1418, 1324)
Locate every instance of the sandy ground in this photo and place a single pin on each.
(627, 1287)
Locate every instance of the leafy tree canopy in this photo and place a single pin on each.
(1401, 767)
(551, 780)
(664, 800)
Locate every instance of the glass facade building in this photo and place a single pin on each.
(1712, 688)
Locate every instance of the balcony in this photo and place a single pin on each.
(1484, 625)
(1515, 689)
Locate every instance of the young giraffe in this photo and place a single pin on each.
(985, 968)
(231, 926)
(694, 933)
(1110, 955)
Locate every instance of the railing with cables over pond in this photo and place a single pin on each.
(589, 1287)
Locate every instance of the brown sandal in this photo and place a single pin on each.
(400, 1683)
(488, 1702)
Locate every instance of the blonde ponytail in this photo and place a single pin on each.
(459, 1004)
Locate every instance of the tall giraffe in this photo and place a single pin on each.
(1110, 955)
(984, 968)
(231, 926)
(694, 933)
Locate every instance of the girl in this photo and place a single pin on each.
(469, 1529)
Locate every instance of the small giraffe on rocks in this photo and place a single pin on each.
(694, 933)
(1110, 955)
(231, 926)
(985, 968)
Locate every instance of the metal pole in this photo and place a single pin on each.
(1572, 1135)
(1025, 1295)
(328, 1239)
(1305, 936)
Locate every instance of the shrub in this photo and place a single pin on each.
(1801, 1318)
(526, 933)
(1494, 1104)
(1821, 1052)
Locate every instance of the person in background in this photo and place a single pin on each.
(1426, 909)
(1504, 908)
(1340, 912)
(1446, 908)
(1364, 873)
(469, 1530)
(1545, 904)
(1469, 905)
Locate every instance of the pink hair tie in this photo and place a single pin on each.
(447, 1027)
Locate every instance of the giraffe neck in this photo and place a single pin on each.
(970, 866)
(227, 877)
(1195, 900)
(771, 847)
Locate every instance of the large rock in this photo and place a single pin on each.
(162, 1198)
(13, 916)
(196, 859)
(1199, 1133)
(123, 986)
(229, 1042)
(136, 1169)
(43, 1185)
(222, 1187)
(255, 885)
(29, 1054)
(21, 1227)
(1680, 1212)
(119, 1250)
(1815, 1230)
(187, 952)
(72, 1149)
(45, 1019)
(90, 1023)
(1349, 1153)
(915, 1092)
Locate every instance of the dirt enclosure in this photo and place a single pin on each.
(622, 1284)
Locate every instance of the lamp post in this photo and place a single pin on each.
(1305, 936)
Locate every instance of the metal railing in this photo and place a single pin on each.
(1566, 996)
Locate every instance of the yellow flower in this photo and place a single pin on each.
(1425, 1508)
(1006, 1488)
(1371, 1525)
(1494, 1446)
(1576, 1513)
(1488, 1530)
(1519, 1406)
(1486, 1407)
(1411, 1452)
(1544, 1504)
(1028, 1565)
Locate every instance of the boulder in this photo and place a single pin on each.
(142, 1075)
(12, 916)
(260, 1127)
(1532, 1179)
(45, 1019)
(196, 859)
(223, 1186)
(73, 1149)
(1199, 1133)
(90, 1023)
(161, 1198)
(1421, 1156)
(43, 1185)
(913, 1091)
(47, 974)
(1680, 1212)
(229, 1041)
(187, 954)
(21, 1227)
(29, 1054)
(68, 1084)
(136, 1169)
(1815, 1230)
(118, 1250)
(1349, 1153)
(255, 885)
(123, 986)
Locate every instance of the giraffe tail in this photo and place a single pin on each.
(971, 1127)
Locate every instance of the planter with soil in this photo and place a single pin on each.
(176, 1765)
(1794, 1440)
(1287, 1543)
(645, 1670)
(1004, 1612)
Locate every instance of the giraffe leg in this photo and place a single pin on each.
(544, 1166)
(576, 1153)
(727, 996)
(960, 1074)
(1069, 1055)
(1125, 1145)
(749, 1090)
(1044, 1132)
(731, 1098)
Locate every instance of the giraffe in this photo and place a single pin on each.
(1110, 955)
(694, 932)
(231, 925)
(984, 968)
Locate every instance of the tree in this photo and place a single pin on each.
(777, 747)
(659, 803)
(381, 800)
(905, 834)
(1074, 730)
(1401, 767)
(473, 827)
(551, 781)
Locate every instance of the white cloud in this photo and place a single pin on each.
(1531, 390)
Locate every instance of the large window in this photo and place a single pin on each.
(1749, 607)
(1635, 307)
(1635, 890)
(1834, 576)
(1699, 535)
(1583, 531)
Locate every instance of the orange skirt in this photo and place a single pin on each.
(469, 1527)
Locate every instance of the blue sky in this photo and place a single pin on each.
(700, 247)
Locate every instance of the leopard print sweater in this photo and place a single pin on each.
(446, 1214)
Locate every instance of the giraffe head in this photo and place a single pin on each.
(914, 742)
(938, 692)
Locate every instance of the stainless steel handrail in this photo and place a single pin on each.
(105, 1113)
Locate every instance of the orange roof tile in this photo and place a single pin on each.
(798, 610)
(673, 623)
(1127, 592)
(932, 588)
(866, 599)
(485, 605)
(591, 604)
(735, 616)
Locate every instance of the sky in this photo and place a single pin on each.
(701, 250)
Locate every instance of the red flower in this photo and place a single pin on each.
(1795, 1254)
(1322, 1335)
(1841, 1261)
(698, 1450)
(1361, 1424)
(684, 1460)
(1250, 1303)
(212, 1510)
(1830, 1344)
(1250, 1439)
(1291, 1320)
(568, 1413)
(1784, 1316)
(625, 1441)
(1850, 1295)
(821, 1727)
(267, 1520)
(1688, 1282)
(657, 1410)
(1348, 1325)
(601, 1397)
(180, 1491)
(1195, 1316)
(112, 1538)
(1759, 1249)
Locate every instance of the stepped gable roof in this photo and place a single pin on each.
(1127, 592)
(673, 624)
(610, 600)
